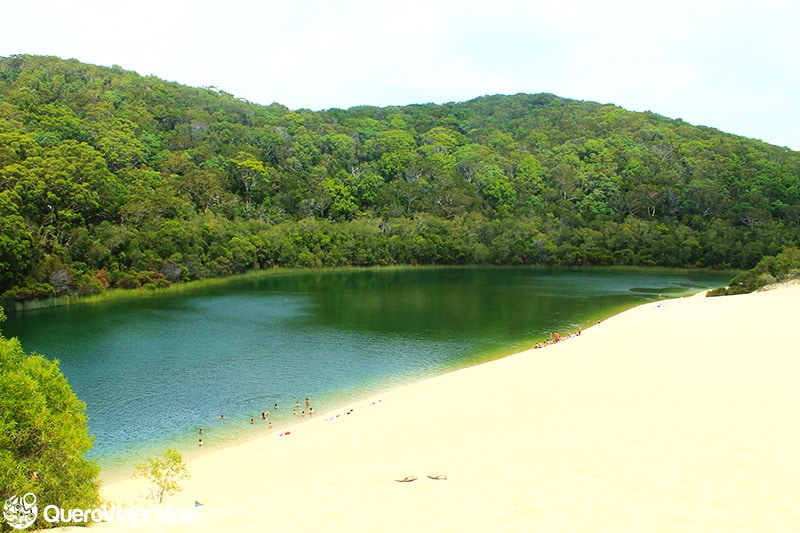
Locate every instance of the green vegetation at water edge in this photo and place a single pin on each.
(770, 270)
(109, 179)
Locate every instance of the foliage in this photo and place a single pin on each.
(164, 474)
(771, 269)
(152, 183)
(43, 433)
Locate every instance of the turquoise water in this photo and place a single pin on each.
(153, 371)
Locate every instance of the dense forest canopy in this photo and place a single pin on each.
(112, 179)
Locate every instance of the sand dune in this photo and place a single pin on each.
(678, 416)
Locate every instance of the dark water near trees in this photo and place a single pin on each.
(154, 370)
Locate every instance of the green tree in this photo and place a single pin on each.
(43, 433)
(118, 143)
(164, 474)
(342, 149)
(16, 241)
(251, 178)
(394, 150)
(151, 197)
(67, 185)
(343, 204)
(497, 190)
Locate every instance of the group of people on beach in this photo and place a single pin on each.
(553, 338)
(265, 416)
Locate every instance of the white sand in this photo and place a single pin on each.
(683, 416)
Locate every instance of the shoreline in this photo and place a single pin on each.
(672, 415)
(119, 294)
(359, 395)
(349, 407)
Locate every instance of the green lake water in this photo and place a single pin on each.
(154, 370)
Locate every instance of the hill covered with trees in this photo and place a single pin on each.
(112, 179)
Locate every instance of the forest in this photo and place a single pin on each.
(113, 179)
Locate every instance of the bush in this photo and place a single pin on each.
(43, 434)
(771, 269)
(31, 290)
(164, 474)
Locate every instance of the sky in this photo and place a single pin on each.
(729, 64)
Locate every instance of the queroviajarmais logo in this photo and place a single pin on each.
(20, 513)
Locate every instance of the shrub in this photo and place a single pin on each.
(43, 434)
(164, 474)
(771, 269)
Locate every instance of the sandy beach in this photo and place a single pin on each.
(679, 415)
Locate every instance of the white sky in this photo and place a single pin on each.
(729, 64)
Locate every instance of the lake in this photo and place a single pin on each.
(154, 370)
